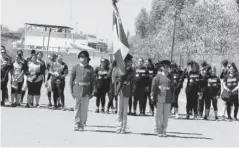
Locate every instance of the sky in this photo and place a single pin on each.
(88, 16)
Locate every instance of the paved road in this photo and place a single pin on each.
(45, 127)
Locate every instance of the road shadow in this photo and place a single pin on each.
(101, 126)
(170, 135)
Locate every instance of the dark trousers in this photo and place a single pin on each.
(112, 97)
(4, 92)
(175, 103)
(233, 100)
(201, 102)
(100, 98)
(58, 91)
(192, 100)
(213, 100)
(130, 103)
(140, 96)
(151, 104)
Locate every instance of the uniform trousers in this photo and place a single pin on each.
(192, 100)
(161, 116)
(81, 110)
(122, 112)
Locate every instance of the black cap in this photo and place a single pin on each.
(85, 53)
(165, 63)
(204, 63)
(225, 62)
(33, 51)
(128, 57)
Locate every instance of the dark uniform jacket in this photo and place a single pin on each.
(214, 86)
(141, 79)
(102, 78)
(177, 80)
(5, 68)
(82, 80)
(162, 89)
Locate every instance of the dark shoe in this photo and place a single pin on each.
(129, 113)
(18, 104)
(32, 104)
(205, 118)
(187, 117)
(230, 119)
(13, 105)
(235, 118)
(49, 105)
(116, 112)
(216, 118)
(102, 111)
(97, 110)
(134, 114)
(107, 112)
(27, 106)
(2, 103)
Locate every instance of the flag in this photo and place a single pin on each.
(120, 42)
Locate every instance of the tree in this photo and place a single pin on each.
(237, 1)
(142, 23)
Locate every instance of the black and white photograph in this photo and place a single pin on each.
(119, 73)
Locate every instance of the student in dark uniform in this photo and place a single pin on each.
(131, 94)
(101, 85)
(230, 90)
(151, 74)
(177, 83)
(5, 68)
(203, 87)
(214, 91)
(81, 87)
(141, 87)
(124, 89)
(192, 75)
(222, 76)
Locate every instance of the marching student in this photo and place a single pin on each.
(177, 83)
(124, 89)
(101, 85)
(81, 86)
(162, 96)
(17, 78)
(214, 91)
(230, 90)
(5, 68)
(141, 87)
(59, 71)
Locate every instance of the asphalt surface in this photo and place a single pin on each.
(46, 127)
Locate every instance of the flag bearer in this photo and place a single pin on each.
(81, 86)
(230, 90)
(124, 89)
(177, 82)
(162, 96)
(214, 91)
(101, 85)
(141, 87)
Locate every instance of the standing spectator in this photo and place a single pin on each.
(230, 90)
(5, 68)
(124, 89)
(17, 78)
(52, 59)
(102, 85)
(34, 81)
(20, 52)
(33, 52)
(59, 71)
(81, 86)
